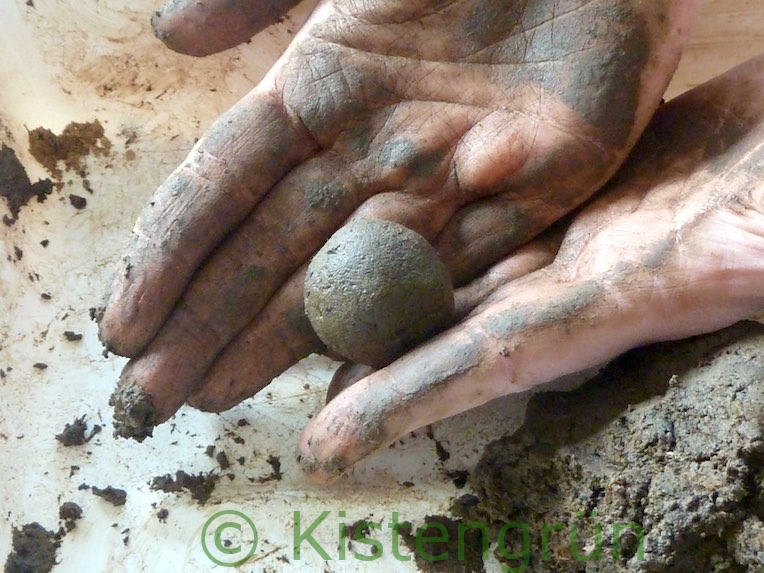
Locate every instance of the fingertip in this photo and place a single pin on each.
(200, 29)
(320, 472)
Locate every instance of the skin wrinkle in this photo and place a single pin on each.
(330, 91)
(544, 45)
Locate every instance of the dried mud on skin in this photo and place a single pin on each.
(669, 437)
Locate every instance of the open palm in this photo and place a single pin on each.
(477, 123)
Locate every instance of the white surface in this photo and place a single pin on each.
(81, 60)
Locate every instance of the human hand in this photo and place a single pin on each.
(204, 27)
(476, 123)
(674, 247)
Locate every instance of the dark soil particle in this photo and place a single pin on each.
(200, 486)
(74, 434)
(275, 463)
(34, 550)
(458, 477)
(162, 515)
(113, 495)
(77, 201)
(72, 336)
(69, 511)
(39, 365)
(661, 456)
(222, 460)
(438, 546)
(15, 185)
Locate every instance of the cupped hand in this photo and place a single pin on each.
(477, 123)
(674, 247)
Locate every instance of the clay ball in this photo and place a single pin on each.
(375, 290)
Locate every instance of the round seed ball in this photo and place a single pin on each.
(375, 290)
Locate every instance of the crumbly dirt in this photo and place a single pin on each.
(134, 412)
(433, 555)
(113, 495)
(656, 465)
(200, 486)
(34, 550)
(67, 151)
(75, 434)
(69, 511)
(16, 187)
(77, 201)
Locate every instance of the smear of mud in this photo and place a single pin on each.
(67, 151)
(15, 185)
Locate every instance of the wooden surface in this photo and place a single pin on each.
(726, 33)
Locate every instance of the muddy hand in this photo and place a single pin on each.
(475, 124)
(204, 27)
(674, 247)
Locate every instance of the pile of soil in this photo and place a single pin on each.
(656, 465)
(34, 550)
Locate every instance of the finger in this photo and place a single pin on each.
(549, 329)
(529, 258)
(204, 27)
(280, 337)
(244, 153)
(239, 279)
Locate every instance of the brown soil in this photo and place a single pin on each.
(70, 147)
(15, 185)
(443, 556)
